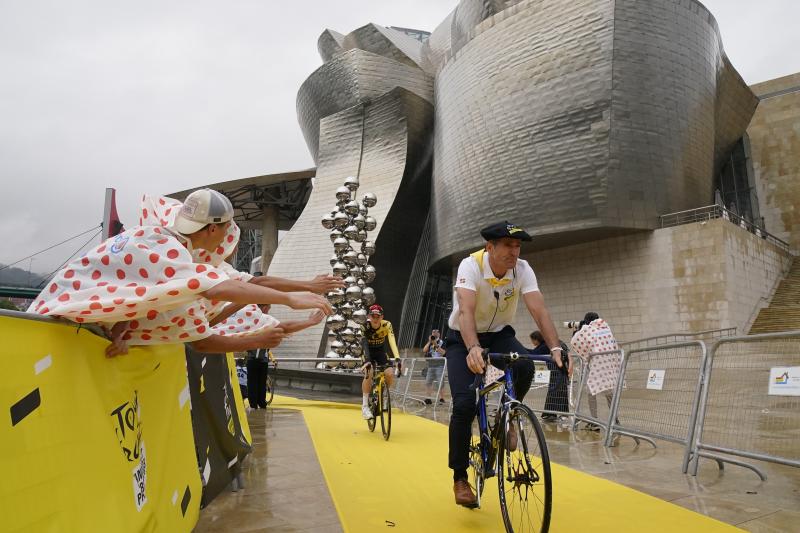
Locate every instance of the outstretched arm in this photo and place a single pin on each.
(291, 326)
(240, 292)
(267, 338)
(320, 284)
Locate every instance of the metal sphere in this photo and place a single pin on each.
(368, 274)
(340, 220)
(336, 296)
(361, 236)
(356, 271)
(346, 309)
(357, 350)
(359, 221)
(353, 293)
(343, 194)
(335, 234)
(351, 182)
(362, 210)
(361, 283)
(348, 335)
(339, 347)
(333, 260)
(359, 316)
(336, 322)
(332, 364)
(370, 223)
(351, 232)
(350, 281)
(369, 199)
(327, 221)
(368, 296)
(351, 208)
(361, 259)
(341, 244)
(340, 269)
(368, 248)
(349, 258)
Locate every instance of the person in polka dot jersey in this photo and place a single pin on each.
(163, 283)
(595, 336)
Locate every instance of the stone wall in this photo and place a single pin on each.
(775, 151)
(682, 279)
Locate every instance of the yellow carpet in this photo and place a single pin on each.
(404, 484)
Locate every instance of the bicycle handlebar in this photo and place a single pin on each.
(514, 356)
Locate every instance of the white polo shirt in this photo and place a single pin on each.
(492, 313)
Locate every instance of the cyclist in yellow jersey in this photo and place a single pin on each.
(377, 332)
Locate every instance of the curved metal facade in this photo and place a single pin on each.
(579, 119)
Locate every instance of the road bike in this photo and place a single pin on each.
(511, 445)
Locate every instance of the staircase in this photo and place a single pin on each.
(783, 312)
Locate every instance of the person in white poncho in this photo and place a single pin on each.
(595, 336)
(165, 282)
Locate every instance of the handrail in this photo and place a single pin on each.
(711, 212)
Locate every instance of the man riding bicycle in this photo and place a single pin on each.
(486, 293)
(377, 332)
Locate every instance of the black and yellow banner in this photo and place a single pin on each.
(89, 443)
(221, 432)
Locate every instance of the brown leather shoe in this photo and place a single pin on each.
(464, 494)
(511, 438)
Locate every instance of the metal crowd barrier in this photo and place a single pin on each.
(552, 392)
(425, 380)
(587, 409)
(750, 407)
(661, 394)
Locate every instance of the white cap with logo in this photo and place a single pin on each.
(202, 208)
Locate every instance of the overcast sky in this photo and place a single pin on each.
(155, 97)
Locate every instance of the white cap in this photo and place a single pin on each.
(201, 208)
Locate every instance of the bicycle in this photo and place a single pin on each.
(380, 401)
(523, 463)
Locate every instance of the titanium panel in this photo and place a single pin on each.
(579, 119)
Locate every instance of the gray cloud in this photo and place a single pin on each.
(154, 97)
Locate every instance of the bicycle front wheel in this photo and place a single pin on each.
(270, 389)
(373, 406)
(523, 473)
(386, 411)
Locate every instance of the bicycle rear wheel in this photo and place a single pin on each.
(523, 473)
(386, 410)
(270, 389)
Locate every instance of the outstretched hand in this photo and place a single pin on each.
(316, 317)
(271, 337)
(325, 282)
(307, 300)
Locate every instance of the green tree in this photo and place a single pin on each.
(5, 303)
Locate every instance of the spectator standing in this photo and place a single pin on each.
(434, 349)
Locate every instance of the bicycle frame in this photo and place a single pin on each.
(508, 397)
(487, 445)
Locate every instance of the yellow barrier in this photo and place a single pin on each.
(89, 443)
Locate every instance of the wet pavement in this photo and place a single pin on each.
(285, 490)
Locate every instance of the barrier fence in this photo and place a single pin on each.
(750, 407)
(739, 399)
(661, 394)
(587, 407)
(552, 391)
